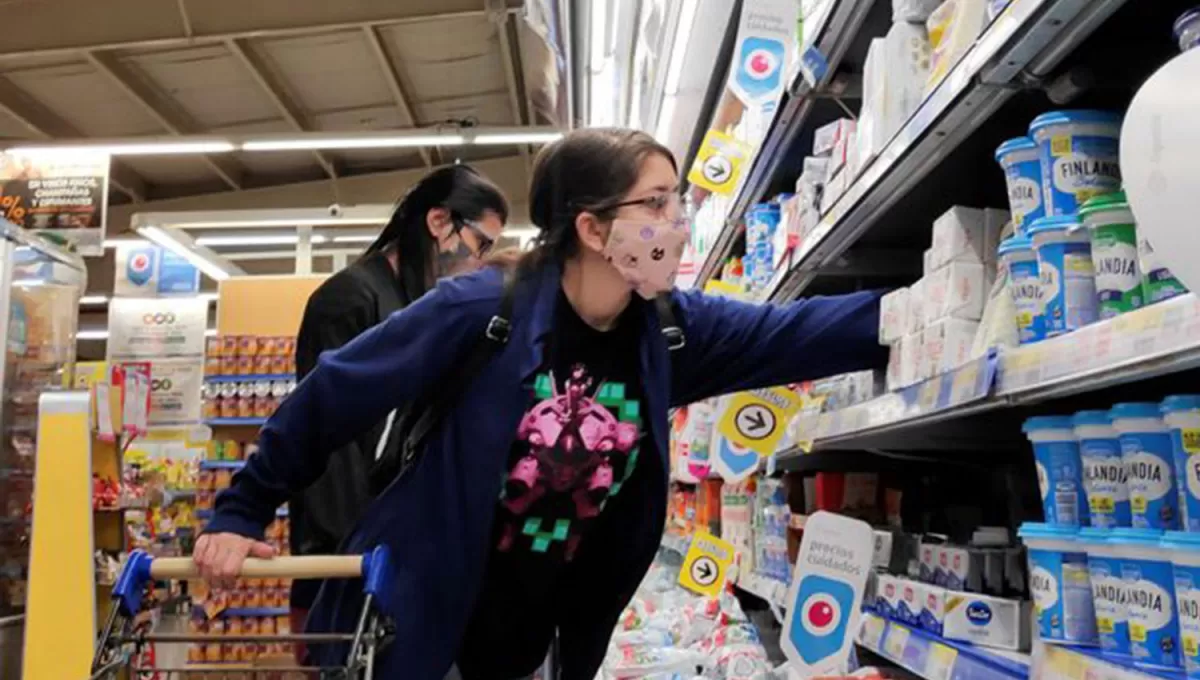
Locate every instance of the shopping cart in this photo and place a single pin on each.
(122, 642)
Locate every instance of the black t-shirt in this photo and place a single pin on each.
(575, 448)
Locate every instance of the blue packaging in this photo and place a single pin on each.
(1185, 562)
(1066, 274)
(1181, 415)
(1025, 288)
(1104, 478)
(1149, 465)
(1059, 583)
(1148, 575)
(1023, 175)
(1110, 597)
(1079, 157)
(1059, 469)
(911, 600)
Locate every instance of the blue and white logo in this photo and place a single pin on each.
(760, 67)
(819, 627)
(140, 266)
(736, 461)
(979, 613)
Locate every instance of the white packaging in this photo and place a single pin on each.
(828, 137)
(907, 57)
(911, 601)
(871, 138)
(957, 290)
(913, 11)
(987, 621)
(927, 261)
(952, 29)
(893, 316)
(916, 307)
(960, 235)
(994, 223)
(814, 173)
(933, 609)
(902, 362)
(957, 567)
(887, 595)
(945, 345)
(895, 367)
(834, 189)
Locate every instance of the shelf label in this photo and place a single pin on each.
(871, 633)
(719, 163)
(895, 642)
(755, 420)
(939, 665)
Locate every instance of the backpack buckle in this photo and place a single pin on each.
(498, 329)
(675, 337)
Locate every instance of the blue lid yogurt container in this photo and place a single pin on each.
(1110, 598)
(1181, 415)
(1104, 476)
(1149, 579)
(1066, 276)
(1184, 549)
(1079, 155)
(1059, 583)
(1187, 29)
(1021, 264)
(1149, 465)
(1059, 469)
(1023, 175)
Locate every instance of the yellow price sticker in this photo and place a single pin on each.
(1102, 504)
(1137, 503)
(1191, 439)
(895, 642)
(719, 162)
(1191, 646)
(1060, 145)
(1137, 632)
(755, 420)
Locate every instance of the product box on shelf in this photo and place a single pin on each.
(987, 621)
(828, 137)
(835, 187)
(945, 345)
(893, 316)
(959, 235)
(957, 290)
(887, 595)
(911, 601)
(916, 307)
(910, 359)
(926, 261)
(933, 609)
(953, 28)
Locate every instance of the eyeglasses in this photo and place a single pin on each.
(485, 242)
(659, 203)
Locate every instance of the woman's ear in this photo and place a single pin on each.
(439, 223)
(591, 231)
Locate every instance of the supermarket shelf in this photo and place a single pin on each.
(222, 464)
(835, 33)
(1156, 340)
(217, 422)
(1052, 662)
(257, 377)
(930, 656)
(207, 514)
(1029, 36)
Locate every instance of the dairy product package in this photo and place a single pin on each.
(911, 600)
(916, 307)
(894, 377)
(955, 565)
(910, 356)
(929, 550)
(997, 224)
(933, 609)
(927, 261)
(953, 28)
(998, 326)
(834, 189)
(946, 344)
(913, 11)
(907, 56)
(956, 290)
(829, 137)
(960, 234)
(988, 621)
(887, 595)
(893, 316)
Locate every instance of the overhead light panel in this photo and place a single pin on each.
(518, 138)
(92, 300)
(316, 143)
(172, 243)
(131, 148)
(101, 334)
(264, 240)
(683, 35)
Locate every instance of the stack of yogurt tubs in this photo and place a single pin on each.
(1115, 567)
(1076, 256)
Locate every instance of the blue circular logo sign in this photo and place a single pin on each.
(979, 613)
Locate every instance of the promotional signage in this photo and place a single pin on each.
(156, 329)
(756, 419)
(706, 565)
(152, 271)
(175, 388)
(766, 35)
(825, 599)
(719, 163)
(732, 461)
(60, 194)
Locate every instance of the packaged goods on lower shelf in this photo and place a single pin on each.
(827, 139)
(964, 234)
(946, 344)
(916, 307)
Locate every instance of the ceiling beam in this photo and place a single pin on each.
(39, 30)
(392, 78)
(45, 124)
(271, 86)
(499, 18)
(161, 109)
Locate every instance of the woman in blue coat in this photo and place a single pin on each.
(539, 500)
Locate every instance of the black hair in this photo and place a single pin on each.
(462, 190)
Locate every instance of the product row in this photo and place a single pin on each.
(232, 346)
(252, 399)
(1130, 466)
(221, 651)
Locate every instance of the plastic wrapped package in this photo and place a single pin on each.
(952, 29)
(913, 11)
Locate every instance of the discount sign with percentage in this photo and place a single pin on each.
(63, 194)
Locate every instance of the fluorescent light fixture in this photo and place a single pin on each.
(211, 297)
(166, 240)
(518, 138)
(313, 143)
(131, 148)
(99, 334)
(234, 241)
(93, 300)
(320, 222)
(364, 238)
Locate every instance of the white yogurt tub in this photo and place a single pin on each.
(1067, 276)
(1184, 549)
(1181, 414)
(1059, 583)
(1104, 476)
(1023, 175)
(1149, 579)
(1149, 465)
(1079, 154)
(1024, 286)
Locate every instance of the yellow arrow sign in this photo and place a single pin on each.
(706, 565)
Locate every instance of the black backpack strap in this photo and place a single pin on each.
(671, 330)
(416, 421)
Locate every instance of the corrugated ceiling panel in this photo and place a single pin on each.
(208, 82)
(328, 72)
(491, 108)
(167, 170)
(85, 99)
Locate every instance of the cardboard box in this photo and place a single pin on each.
(887, 595)
(933, 609)
(959, 235)
(927, 262)
(827, 138)
(893, 316)
(910, 360)
(987, 621)
(945, 345)
(895, 368)
(955, 290)
(916, 308)
(911, 601)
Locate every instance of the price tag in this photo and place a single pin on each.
(895, 642)
(962, 389)
(927, 395)
(871, 633)
(939, 665)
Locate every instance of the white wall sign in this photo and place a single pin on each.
(152, 329)
(175, 388)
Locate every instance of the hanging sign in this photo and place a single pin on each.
(825, 598)
(141, 328)
(706, 565)
(755, 420)
(153, 271)
(63, 195)
(766, 35)
(733, 462)
(175, 391)
(719, 163)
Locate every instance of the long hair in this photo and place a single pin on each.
(457, 188)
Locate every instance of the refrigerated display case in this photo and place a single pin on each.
(40, 286)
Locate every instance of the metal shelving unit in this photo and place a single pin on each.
(935, 658)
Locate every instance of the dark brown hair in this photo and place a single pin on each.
(584, 171)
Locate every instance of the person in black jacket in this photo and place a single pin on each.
(445, 225)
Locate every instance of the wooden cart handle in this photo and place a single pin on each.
(306, 566)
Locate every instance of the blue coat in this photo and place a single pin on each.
(437, 520)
